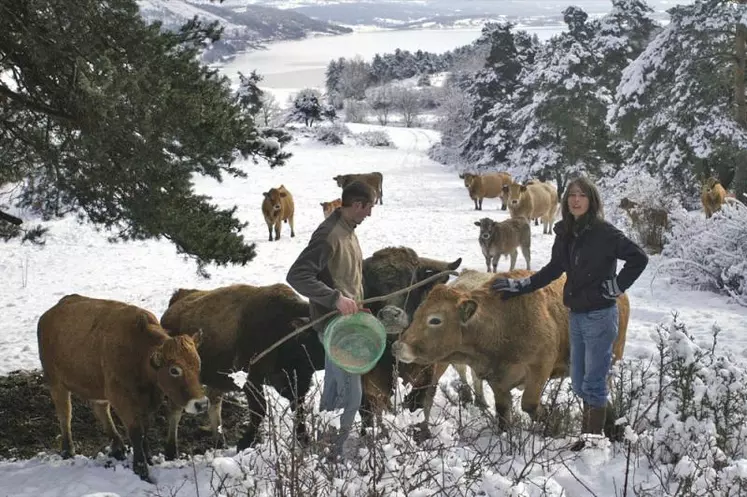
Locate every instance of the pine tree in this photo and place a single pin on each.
(494, 93)
(107, 117)
(675, 102)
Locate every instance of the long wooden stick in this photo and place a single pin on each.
(332, 313)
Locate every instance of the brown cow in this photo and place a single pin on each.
(536, 200)
(497, 239)
(329, 207)
(375, 180)
(386, 271)
(509, 343)
(489, 185)
(116, 355)
(238, 322)
(712, 197)
(277, 207)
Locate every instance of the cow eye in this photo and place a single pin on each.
(434, 321)
(175, 371)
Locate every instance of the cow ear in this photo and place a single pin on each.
(321, 203)
(197, 338)
(298, 322)
(461, 176)
(477, 223)
(266, 194)
(523, 188)
(156, 358)
(467, 309)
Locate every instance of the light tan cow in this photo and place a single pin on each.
(712, 197)
(489, 185)
(523, 341)
(532, 201)
(278, 206)
(117, 355)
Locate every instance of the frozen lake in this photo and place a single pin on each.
(291, 65)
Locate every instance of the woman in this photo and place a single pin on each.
(586, 248)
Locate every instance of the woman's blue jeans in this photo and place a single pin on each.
(592, 336)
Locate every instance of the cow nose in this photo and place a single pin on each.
(485, 236)
(197, 406)
(277, 207)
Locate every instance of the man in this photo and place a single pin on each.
(329, 272)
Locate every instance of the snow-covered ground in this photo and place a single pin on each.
(426, 207)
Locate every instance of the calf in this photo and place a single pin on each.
(489, 185)
(116, 355)
(277, 207)
(238, 322)
(504, 238)
(375, 180)
(329, 207)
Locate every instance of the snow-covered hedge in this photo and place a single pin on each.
(374, 139)
(332, 135)
(710, 254)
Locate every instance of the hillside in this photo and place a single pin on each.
(244, 26)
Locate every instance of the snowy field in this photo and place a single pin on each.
(426, 207)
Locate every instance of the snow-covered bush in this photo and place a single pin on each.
(374, 139)
(710, 254)
(686, 412)
(332, 135)
(634, 202)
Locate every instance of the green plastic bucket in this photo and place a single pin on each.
(355, 342)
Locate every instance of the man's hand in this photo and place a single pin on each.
(346, 306)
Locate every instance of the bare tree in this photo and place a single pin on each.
(270, 110)
(407, 101)
(355, 78)
(380, 100)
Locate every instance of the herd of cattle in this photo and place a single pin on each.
(204, 335)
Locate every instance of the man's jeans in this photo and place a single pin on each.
(342, 390)
(592, 336)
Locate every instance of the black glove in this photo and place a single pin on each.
(510, 287)
(610, 289)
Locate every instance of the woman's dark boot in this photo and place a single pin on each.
(594, 418)
(584, 428)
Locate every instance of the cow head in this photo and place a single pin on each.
(341, 180)
(394, 268)
(436, 330)
(329, 207)
(515, 191)
(177, 371)
(626, 204)
(274, 196)
(709, 184)
(487, 228)
(469, 179)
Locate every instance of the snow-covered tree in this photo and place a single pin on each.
(381, 101)
(674, 103)
(564, 129)
(495, 92)
(307, 107)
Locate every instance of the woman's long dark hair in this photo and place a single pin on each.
(595, 212)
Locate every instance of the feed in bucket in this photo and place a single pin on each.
(355, 342)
